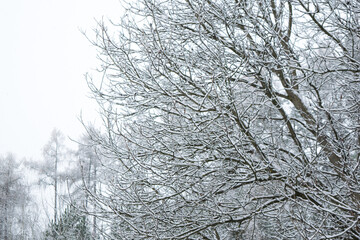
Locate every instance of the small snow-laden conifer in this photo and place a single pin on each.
(71, 225)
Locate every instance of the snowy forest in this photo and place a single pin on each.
(221, 120)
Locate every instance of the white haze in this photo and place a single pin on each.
(43, 59)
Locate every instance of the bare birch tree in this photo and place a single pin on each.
(53, 153)
(231, 119)
(88, 161)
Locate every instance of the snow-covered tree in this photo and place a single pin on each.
(228, 119)
(15, 219)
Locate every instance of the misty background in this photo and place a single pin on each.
(44, 56)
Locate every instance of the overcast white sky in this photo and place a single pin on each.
(43, 59)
